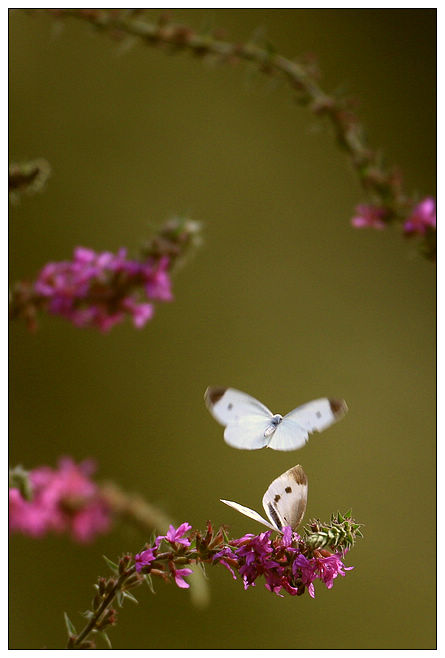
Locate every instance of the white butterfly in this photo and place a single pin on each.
(284, 502)
(250, 425)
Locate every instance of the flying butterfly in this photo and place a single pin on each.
(250, 425)
(284, 502)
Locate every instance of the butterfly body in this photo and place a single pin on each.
(274, 422)
(250, 425)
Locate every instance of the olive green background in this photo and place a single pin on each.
(284, 301)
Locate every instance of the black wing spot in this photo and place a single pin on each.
(318, 414)
(288, 490)
(230, 406)
(277, 498)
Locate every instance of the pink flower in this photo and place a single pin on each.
(328, 568)
(144, 559)
(64, 500)
(157, 281)
(227, 558)
(178, 576)
(368, 216)
(176, 536)
(255, 558)
(422, 217)
(325, 568)
(100, 289)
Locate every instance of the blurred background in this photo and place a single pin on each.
(284, 301)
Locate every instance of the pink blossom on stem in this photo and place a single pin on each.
(286, 562)
(179, 574)
(422, 217)
(63, 500)
(144, 559)
(176, 536)
(324, 567)
(227, 558)
(100, 289)
(369, 216)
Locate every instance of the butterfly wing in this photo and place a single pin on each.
(285, 500)
(248, 512)
(227, 405)
(315, 416)
(247, 433)
(289, 435)
(245, 418)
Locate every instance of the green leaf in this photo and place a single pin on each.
(128, 595)
(19, 479)
(226, 537)
(104, 635)
(69, 625)
(120, 598)
(112, 565)
(148, 579)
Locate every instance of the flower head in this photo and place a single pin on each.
(100, 289)
(369, 216)
(422, 218)
(287, 562)
(63, 500)
(144, 559)
(179, 574)
(324, 565)
(176, 536)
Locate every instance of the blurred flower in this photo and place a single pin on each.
(422, 217)
(100, 289)
(368, 216)
(63, 500)
(27, 177)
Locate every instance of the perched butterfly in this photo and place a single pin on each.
(250, 425)
(284, 502)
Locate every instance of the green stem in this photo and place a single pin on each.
(73, 643)
(374, 178)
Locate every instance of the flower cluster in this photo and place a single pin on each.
(100, 289)
(286, 562)
(176, 539)
(417, 220)
(282, 561)
(62, 500)
(422, 218)
(369, 216)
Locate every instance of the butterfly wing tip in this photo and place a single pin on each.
(338, 408)
(213, 394)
